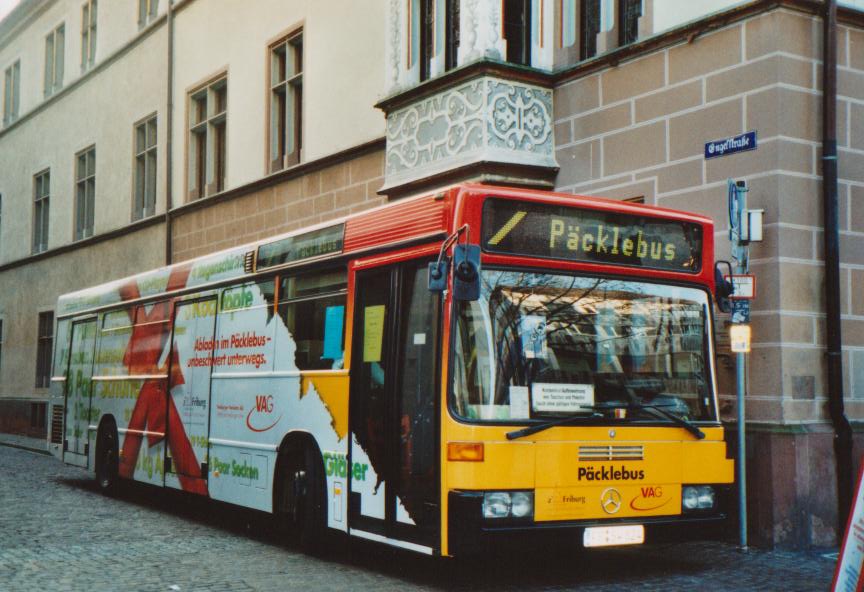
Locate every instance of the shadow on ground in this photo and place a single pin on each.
(548, 566)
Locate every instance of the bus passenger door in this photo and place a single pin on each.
(393, 412)
(189, 404)
(78, 392)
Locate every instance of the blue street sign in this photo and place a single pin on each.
(731, 145)
(740, 311)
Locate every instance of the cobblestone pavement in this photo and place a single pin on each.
(58, 533)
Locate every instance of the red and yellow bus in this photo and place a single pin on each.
(438, 374)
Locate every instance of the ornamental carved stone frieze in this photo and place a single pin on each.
(482, 120)
(435, 129)
(520, 117)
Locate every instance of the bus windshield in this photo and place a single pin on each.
(539, 345)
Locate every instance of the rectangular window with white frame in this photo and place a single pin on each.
(629, 13)
(426, 31)
(286, 101)
(517, 30)
(85, 192)
(589, 28)
(88, 34)
(11, 92)
(147, 11)
(434, 30)
(452, 33)
(45, 339)
(55, 47)
(208, 118)
(145, 169)
(41, 203)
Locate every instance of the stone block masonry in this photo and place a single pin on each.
(332, 192)
(638, 129)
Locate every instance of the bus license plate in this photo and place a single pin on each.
(609, 536)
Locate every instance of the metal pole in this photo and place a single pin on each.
(169, 144)
(742, 466)
(740, 252)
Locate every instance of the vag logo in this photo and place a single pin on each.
(652, 491)
(262, 412)
(649, 498)
(264, 403)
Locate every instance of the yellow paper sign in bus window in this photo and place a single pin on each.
(373, 332)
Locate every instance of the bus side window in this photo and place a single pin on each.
(61, 349)
(313, 309)
(150, 331)
(114, 339)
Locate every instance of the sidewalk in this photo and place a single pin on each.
(24, 442)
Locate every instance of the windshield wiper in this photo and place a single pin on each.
(658, 409)
(653, 385)
(550, 424)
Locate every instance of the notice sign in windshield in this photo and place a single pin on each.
(550, 397)
(561, 232)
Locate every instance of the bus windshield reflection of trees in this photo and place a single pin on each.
(625, 341)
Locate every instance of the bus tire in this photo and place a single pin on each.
(107, 458)
(303, 494)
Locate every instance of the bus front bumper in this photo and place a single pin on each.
(470, 533)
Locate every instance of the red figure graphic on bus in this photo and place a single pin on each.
(150, 334)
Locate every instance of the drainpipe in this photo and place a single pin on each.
(842, 429)
(169, 129)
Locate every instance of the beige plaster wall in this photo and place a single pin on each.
(117, 25)
(343, 48)
(335, 191)
(33, 288)
(100, 112)
(671, 13)
(28, 45)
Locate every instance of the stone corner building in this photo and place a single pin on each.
(140, 133)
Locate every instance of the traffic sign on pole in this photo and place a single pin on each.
(740, 311)
(743, 286)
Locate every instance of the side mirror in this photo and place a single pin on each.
(466, 272)
(722, 287)
(438, 276)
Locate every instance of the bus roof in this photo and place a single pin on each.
(424, 218)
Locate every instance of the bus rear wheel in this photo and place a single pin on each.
(107, 459)
(303, 504)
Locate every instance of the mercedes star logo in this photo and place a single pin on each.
(610, 500)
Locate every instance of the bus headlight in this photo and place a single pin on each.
(522, 504)
(496, 504)
(697, 497)
(508, 504)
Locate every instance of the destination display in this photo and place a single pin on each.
(316, 243)
(591, 236)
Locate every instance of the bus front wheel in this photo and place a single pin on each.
(107, 459)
